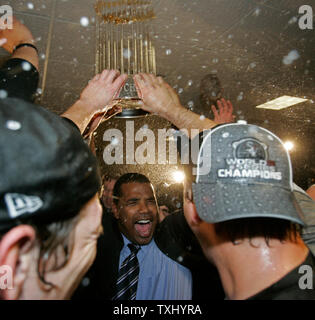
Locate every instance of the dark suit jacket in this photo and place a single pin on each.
(173, 237)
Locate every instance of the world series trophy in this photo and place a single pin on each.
(123, 42)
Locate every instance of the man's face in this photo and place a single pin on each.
(137, 212)
(164, 211)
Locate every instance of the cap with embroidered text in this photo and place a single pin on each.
(244, 171)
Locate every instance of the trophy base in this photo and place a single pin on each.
(130, 108)
(132, 113)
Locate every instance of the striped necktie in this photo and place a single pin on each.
(127, 282)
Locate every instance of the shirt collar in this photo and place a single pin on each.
(144, 248)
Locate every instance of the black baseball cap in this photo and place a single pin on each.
(244, 171)
(47, 171)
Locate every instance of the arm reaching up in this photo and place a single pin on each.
(158, 97)
(20, 34)
(95, 98)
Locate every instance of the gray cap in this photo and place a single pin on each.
(244, 171)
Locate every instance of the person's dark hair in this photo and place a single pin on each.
(52, 237)
(249, 228)
(127, 178)
(210, 90)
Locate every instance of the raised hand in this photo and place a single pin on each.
(157, 96)
(10, 38)
(102, 89)
(225, 113)
(95, 100)
(19, 34)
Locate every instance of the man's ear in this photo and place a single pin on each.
(191, 214)
(15, 247)
(115, 210)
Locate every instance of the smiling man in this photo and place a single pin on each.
(135, 208)
(129, 264)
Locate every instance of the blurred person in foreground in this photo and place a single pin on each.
(50, 215)
(242, 208)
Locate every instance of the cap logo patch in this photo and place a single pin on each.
(19, 204)
(250, 161)
(250, 149)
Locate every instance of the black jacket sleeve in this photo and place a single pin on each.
(19, 79)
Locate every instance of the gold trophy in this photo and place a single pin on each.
(124, 42)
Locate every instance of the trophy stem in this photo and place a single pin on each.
(129, 101)
(124, 43)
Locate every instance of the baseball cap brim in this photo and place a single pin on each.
(222, 202)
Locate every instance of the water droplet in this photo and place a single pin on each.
(291, 57)
(3, 94)
(127, 53)
(84, 21)
(240, 96)
(257, 12)
(190, 104)
(114, 141)
(85, 282)
(293, 20)
(270, 137)
(26, 66)
(13, 125)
